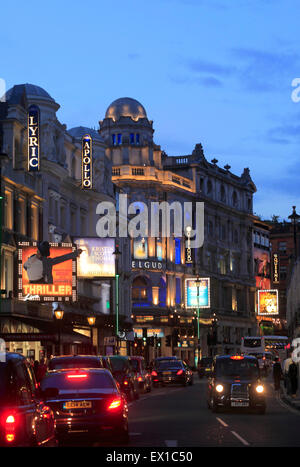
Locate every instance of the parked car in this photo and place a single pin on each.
(143, 375)
(86, 402)
(125, 375)
(25, 420)
(204, 367)
(235, 383)
(168, 371)
(65, 362)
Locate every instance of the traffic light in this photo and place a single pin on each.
(158, 342)
(168, 341)
(145, 334)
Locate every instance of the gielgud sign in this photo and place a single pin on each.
(47, 271)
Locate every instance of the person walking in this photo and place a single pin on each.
(293, 378)
(277, 374)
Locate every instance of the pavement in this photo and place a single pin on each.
(292, 401)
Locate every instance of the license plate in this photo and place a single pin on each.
(167, 372)
(77, 405)
(239, 404)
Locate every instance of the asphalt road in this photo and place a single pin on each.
(179, 417)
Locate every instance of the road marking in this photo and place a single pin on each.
(171, 443)
(240, 438)
(222, 422)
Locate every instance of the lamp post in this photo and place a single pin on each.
(294, 219)
(117, 254)
(91, 320)
(198, 283)
(3, 158)
(59, 314)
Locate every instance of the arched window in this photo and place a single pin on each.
(234, 199)
(222, 194)
(209, 187)
(139, 289)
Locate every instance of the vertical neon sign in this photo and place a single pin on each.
(33, 135)
(86, 164)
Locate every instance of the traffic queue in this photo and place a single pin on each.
(73, 395)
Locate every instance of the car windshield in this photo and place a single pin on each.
(119, 364)
(242, 368)
(63, 364)
(65, 384)
(168, 365)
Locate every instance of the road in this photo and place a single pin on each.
(179, 417)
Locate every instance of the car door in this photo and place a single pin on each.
(44, 419)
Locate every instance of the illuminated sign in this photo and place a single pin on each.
(33, 136)
(267, 302)
(86, 162)
(97, 258)
(275, 264)
(197, 293)
(47, 278)
(188, 249)
(146, 265)
(150, 332)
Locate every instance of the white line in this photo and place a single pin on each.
(221, 421)
(171, 443)
(240, 438)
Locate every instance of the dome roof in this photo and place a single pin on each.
(125, 107)
(80, 131)
(14, 94)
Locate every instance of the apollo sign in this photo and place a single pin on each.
(86, 164)
(33, 136)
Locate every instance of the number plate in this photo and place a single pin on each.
(167, 372)
(239, 404)
(77, 405)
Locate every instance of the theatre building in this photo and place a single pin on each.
(51, 204)
(164, 324)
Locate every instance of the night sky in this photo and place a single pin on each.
(218, 72)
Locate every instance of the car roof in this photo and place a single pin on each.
(13, 356)
(227, 357)
(78, 370)
(137, 357)
(166, 358)
(61, 357)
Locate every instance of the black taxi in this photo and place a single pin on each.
(235, 384)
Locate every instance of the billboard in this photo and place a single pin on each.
(47, 271)
(267, 302)
(97, 258)
(140, 248)
(197, 295)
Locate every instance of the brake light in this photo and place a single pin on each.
(140, 378)
(115, 404)
(179, 372)
(77, 376)
(154, 373)
(237, 357)
(9, 427)
(125, 382)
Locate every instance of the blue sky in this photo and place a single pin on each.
(217, 72)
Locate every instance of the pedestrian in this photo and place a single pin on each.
(293, 378)
(285, 369)
(36, 368)
(277, 374)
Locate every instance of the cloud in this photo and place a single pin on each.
(207, 81)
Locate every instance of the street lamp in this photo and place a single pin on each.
(117, 254)
(91, 320)
(59, 314)
(294, 219)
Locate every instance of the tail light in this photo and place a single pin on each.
(154, 373)
(179, 372)
(77, 376)
(140, 378)
(10, 427)
(115, 404)
(237, 357)
(125, 382)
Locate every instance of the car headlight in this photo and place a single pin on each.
(259, 389)
(219, 388)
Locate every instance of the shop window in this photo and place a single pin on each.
(139, 289)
